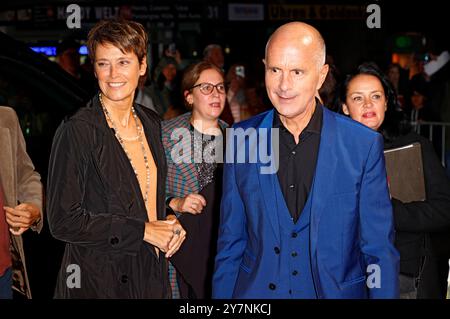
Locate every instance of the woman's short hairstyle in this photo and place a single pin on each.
(395, 122)
(128, 36)
(192, 74)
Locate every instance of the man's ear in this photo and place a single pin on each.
(345, 109)
(322, 75)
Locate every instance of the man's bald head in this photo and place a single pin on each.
(304, 34)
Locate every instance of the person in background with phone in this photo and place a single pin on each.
(422, 228)
(236, 92)
(213, 53)
(172, 51)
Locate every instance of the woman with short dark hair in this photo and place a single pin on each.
(106, 182)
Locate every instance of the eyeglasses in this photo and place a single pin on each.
(207, 88)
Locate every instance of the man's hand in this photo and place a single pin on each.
(21, 217)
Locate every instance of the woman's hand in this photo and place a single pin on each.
(192, 203)
(178, 238)
(167, 235)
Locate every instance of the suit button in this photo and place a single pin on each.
(295, 273)
(272, 286)
(290, 291)
(294, 254)
(277, 250)
(114, 241)
(124, 279)
(294, 235)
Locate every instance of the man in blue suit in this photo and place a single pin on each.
(321, 224)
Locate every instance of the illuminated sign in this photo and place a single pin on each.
(51, 50)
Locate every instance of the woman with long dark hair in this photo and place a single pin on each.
(422, 227)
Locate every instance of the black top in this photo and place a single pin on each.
(194, 260)
(297, 164)
(422, 227)
(204, 147)
(95, 205)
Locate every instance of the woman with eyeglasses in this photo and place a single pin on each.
(193, 143)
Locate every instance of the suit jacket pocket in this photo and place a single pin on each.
(355, 281)
(247, 262)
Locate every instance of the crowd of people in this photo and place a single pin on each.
(155, 196)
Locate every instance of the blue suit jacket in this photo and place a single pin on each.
(351, 227)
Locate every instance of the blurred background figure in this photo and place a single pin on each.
(417, 107)
(438, 71)
(213, 53)
(165, 89)
(255, 102)
(68, 58)
(236, 89)
(422, 227)
(171, 50)
(145, 95)
(399, 79)
(328, 89)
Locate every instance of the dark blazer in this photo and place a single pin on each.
(423, 228)
(95, 205)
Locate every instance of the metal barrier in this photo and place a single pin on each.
(417, 126)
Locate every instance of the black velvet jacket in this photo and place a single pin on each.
(96, 206)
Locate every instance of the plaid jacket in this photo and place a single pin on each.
(182, 177)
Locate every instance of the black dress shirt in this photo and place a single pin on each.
(297, 162)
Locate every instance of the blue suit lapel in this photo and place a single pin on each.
(325, 168)
(268, 182)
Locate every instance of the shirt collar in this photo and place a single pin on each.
(314, 124)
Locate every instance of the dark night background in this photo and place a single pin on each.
(404, 26)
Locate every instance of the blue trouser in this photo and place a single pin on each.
(6, 285)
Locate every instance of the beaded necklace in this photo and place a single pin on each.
(141, 140)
